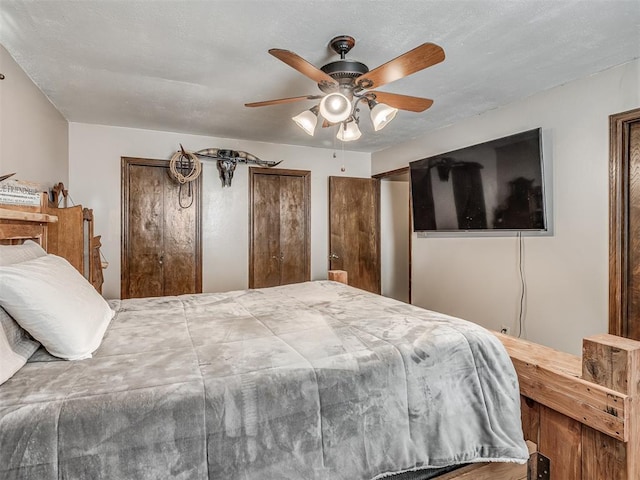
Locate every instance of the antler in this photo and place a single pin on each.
(228, 159)
(233, 155)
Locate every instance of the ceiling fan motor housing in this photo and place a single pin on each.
(343, 71)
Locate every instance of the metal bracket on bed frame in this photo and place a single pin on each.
(539, 467)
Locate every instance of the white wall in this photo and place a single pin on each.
(33, 134)
(94, 164)
(394, 238)
(567, 273)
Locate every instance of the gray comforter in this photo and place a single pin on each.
(309, 381)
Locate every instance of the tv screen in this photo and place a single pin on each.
(496, 185)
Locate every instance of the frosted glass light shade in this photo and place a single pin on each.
(335, 108)
(349, 132)
(307, 121)
(381, 115)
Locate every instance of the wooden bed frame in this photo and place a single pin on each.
(582, 414)
(63, 231)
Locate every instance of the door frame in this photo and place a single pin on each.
(619, 165)
(124, 218)
(306, 175)
(393, 173)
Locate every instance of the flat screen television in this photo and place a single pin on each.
(495, 185)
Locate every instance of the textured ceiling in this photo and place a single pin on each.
(189, 66)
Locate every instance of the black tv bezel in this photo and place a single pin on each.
(489, 231)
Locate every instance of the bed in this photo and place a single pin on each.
(316, 380)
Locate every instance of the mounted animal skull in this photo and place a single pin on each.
(229, 159)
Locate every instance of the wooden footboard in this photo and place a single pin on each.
(583, 414)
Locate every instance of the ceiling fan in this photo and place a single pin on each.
(345, 83)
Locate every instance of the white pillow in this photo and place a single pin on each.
(15, 346)
(10, 254)
(56, 305)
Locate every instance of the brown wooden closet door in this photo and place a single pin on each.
(266, 231)
(144, 232)
(624, 228)
(280, 244)
(294, 261)
(161, 250)
(354, 230)
(182, 264)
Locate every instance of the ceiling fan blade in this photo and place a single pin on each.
(419, 58)
(301, 65)
(282, 100)
(403, 102)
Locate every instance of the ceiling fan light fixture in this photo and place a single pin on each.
(381, 114)
(345, 83)
(335, 107)
(349, 131)
(307, 120)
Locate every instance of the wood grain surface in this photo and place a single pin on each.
(354, 230)
(280, 227)
(161, 232)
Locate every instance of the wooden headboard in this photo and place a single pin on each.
(66, 232)
(17, 225)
